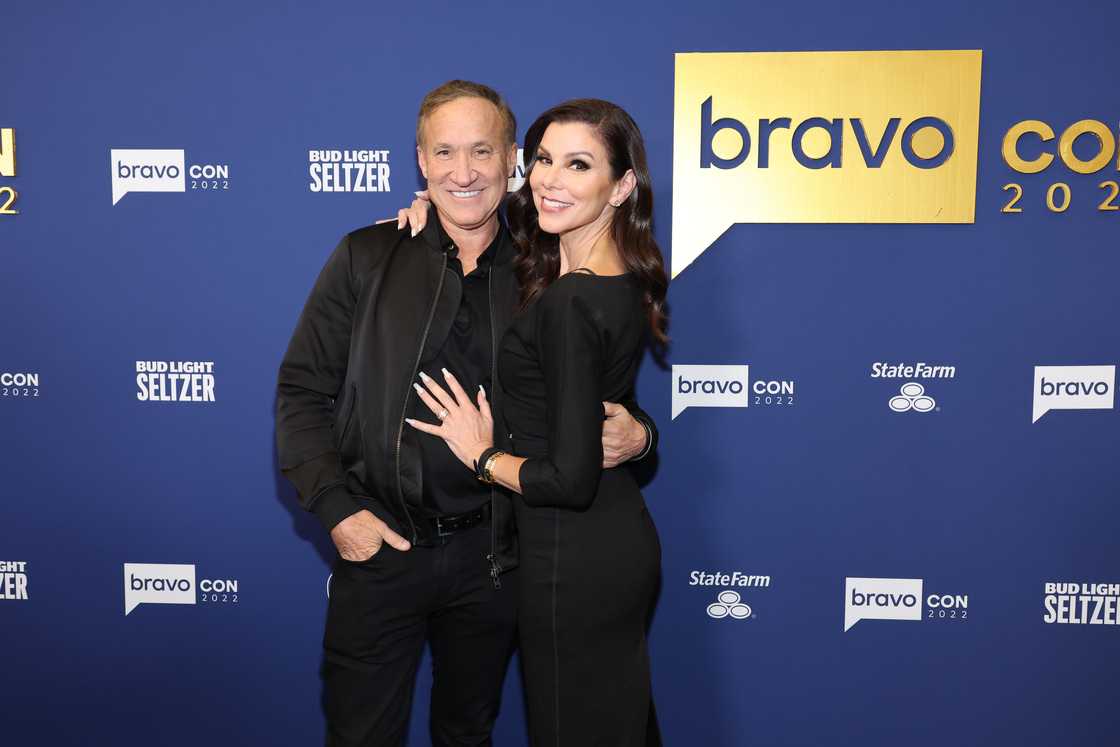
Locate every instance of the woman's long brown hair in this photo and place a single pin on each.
(538, 260)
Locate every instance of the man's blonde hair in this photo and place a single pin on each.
(457, 89)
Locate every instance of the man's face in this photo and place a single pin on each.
(464, 157)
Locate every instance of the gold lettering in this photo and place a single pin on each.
(7, 199)
(1105, 140)
(1011, 146)
(1051, 203)
(7, 151)
(1010, 206)
(1109, 202)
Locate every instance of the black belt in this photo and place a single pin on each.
(445, 526)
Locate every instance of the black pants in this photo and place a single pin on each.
(381, 612)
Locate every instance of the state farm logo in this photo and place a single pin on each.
(728, 602)
(173, 583)
(162, 170)
(1072, 388)
(897, 599)
(912, 395)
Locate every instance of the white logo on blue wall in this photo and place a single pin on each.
(348, 170)
(173, 583)
(729, 604)
(726, 386)
(1073, 388)
(897, 599)
(1081, 603)
(912, 396)
(175, 381)
(710, 386)
(13, 580)
(162, 170)
(19, 384)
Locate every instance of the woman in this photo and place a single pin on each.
(593, 287)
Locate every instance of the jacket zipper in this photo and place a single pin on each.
(495, 566)
(408, 393)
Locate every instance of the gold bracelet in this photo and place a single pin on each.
(487, 474)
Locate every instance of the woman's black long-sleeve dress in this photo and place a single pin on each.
(590, 555)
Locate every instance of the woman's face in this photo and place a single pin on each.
(571, 180)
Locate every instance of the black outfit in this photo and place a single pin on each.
(379, 615)
(384, 304)
(468, 353)
(590, 555)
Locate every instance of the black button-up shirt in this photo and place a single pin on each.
(449, 487)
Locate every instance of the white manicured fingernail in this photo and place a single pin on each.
(417, 192)
(424, 376)
(418, 388)
(482, 390)
(446, 373)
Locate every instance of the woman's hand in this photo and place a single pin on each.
(468, 430)
(416, 215)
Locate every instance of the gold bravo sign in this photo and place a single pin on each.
(8, 194)
(822, 137)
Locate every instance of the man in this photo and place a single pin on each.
(426, 551)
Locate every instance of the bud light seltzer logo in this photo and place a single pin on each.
(1072, 388)
(1081, 603)
(709, 386)
(361, 170)
(175, 381)
(13, 580)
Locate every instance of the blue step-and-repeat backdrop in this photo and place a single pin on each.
(887, 485)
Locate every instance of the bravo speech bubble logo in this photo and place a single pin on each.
(157, 583)
(138, 170)
(1072, 388)
(821, 137)
(709, 386)
(881, 599)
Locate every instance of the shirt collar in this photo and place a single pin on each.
(486, 259)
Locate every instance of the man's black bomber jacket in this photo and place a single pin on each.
(345, 380)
